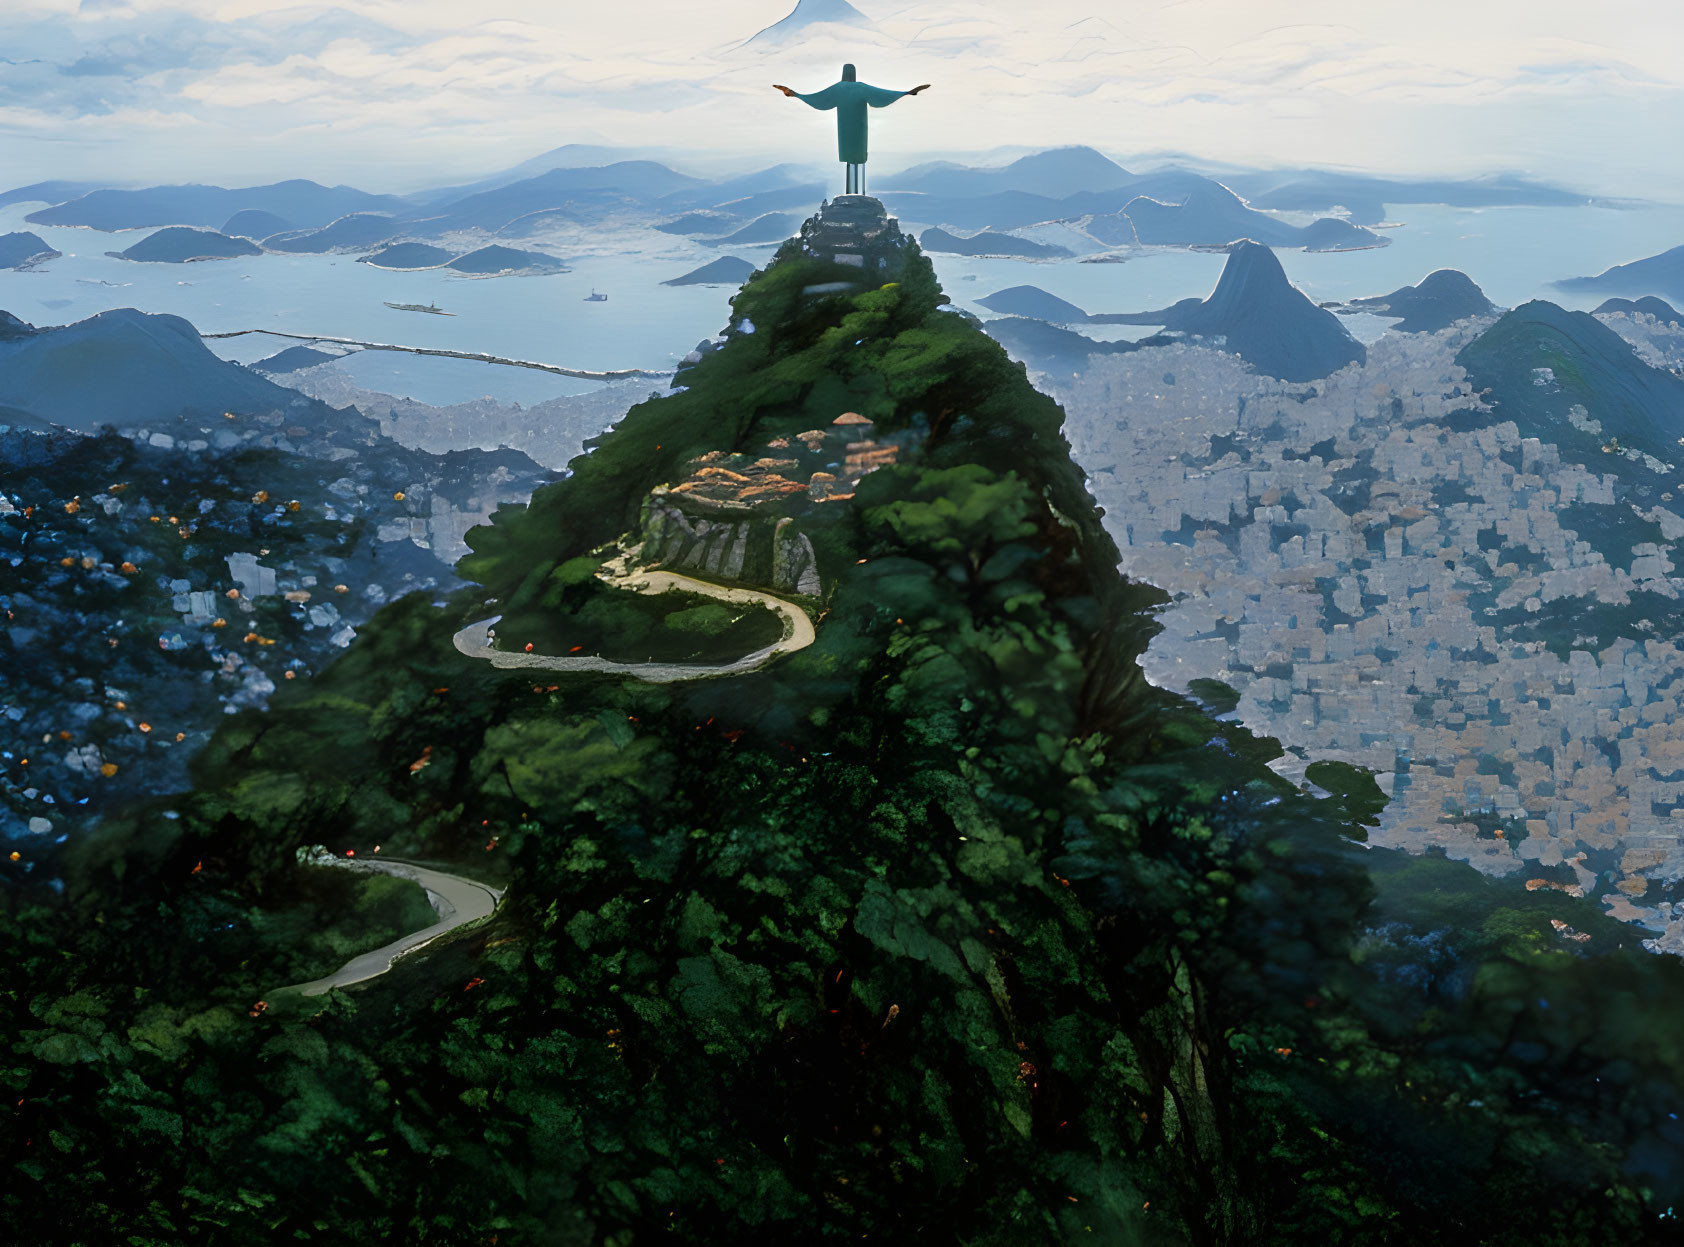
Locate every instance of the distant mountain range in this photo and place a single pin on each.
(626, 182)
(179, 245)
(47, 192)
(1648, 305)
(801, 196)
(1174, 209)
(612, 170)
(1053, 174)
(309, 204)
(1440, 300)
(998, 210)
(1066, 183)
(1210, 214)
(1080, 186)
(989, 242)
(356, 232)
(1365, 198)
(1661, 274)
(780, 186)
(567, 156)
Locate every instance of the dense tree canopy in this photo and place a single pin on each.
(947, 928)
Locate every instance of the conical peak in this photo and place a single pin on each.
(1251, 269)
(1245, 252)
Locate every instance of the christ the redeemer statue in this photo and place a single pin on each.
(849, 98)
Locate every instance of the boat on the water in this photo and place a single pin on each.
(433, 308)
(594, 297)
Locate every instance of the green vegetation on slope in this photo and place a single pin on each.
(579, 614)
(947, 928)
(1570, 381)
(1567, 379)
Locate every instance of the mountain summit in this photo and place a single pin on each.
(125, 366)
(809, 13)
(1207, 213)
(1443, 298)
(1648, 305)
(1570, 381)
(1055, 173)
(1566, 378)
(1268, 321)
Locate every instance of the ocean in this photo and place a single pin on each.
(1513, 253)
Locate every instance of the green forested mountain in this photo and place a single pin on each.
(1568, 380)
(946, 928)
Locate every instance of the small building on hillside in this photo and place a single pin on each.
(738, 516)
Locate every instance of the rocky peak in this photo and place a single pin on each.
(1268, 321)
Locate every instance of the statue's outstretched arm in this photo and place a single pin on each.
(776, 86)
(826, 99)
(882, 97)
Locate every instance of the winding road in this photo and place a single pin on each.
(475, 639)
(457, 902)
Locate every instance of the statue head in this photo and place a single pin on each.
(847, 73)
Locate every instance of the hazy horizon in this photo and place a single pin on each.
(395, 97)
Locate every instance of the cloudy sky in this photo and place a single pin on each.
(396, 94)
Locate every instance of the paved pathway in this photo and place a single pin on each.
(475, 639)
(456, 900)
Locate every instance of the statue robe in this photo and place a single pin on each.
(849, 99)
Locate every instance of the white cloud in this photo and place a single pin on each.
(273, 87)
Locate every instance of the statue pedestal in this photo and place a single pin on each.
(856, 231)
